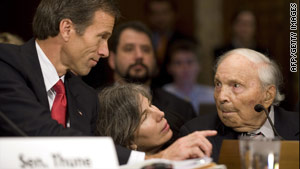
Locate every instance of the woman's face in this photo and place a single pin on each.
(154, 130)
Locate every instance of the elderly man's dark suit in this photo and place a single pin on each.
(286, 123)
(23, 98)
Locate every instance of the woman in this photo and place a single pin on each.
(127, 115)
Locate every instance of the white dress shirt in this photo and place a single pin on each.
(49, 73)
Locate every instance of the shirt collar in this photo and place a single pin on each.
(266, 128)
(49, 72)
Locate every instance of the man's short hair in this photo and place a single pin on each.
(113, 42)
(81, 12)
(268, 71)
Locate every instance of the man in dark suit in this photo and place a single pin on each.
(66, 44)
(243, 79)
(132, 59)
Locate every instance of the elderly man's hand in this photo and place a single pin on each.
(194, 145)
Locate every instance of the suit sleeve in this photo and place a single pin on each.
(191, 112)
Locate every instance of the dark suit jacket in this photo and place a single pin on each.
(286, 123)
(23, 98)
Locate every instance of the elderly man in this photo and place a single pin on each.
(243, 79)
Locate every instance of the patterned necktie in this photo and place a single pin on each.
(59, 107)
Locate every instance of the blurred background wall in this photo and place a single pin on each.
(209, 21)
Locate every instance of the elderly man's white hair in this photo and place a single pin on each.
(268, 70)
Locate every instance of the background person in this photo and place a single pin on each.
(184, 67)
(161, 16)
(244, 27)
(243, 79)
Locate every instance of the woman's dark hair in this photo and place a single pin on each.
(120, 112)
(81, 12)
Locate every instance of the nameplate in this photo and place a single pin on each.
(58, 153)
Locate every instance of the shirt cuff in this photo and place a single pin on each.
(136, 156)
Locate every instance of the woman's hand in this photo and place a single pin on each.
(194, 145)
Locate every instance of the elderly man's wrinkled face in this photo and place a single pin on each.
(237, 91)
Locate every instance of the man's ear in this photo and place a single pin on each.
(111, 60)
(65, 28)
(269, 96)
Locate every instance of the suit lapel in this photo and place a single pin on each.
(72, 99)
(223, 133)
(78, 117)
(32, 66)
